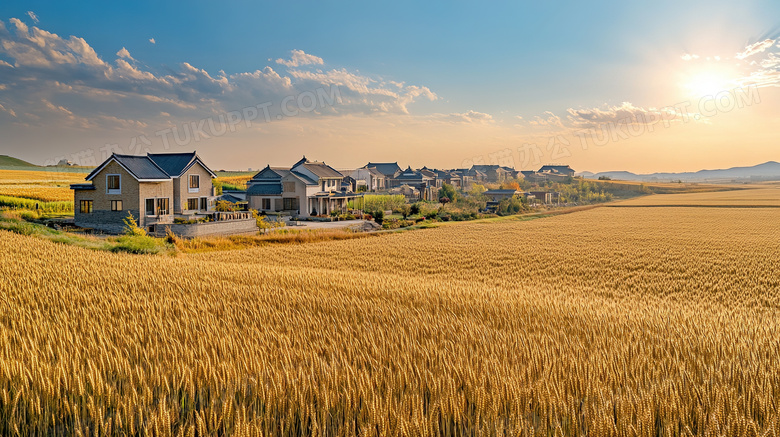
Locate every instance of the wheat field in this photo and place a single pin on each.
(610, 321)
(39, 185)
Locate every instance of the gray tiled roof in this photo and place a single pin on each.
(153, 166)
(172, 163)
(321, 169)
(266, 189)
(386, 168)
(375, 172)
(177, 163)
(141, 167)
(557, 168)
(230, 198)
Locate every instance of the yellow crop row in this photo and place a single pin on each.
(611, 321)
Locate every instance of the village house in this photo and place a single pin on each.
(308, 188)
(494, 173)
(388, 169)
(424, 181)
(154, 189)
(412, 194)
(559, 169)
(547, 197)
(551, 173)
(469, 176)
(369, 178)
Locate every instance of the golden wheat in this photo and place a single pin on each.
(611, 321)
(39, 185)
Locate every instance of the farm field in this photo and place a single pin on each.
(610, 321)
(51, 186)
(45, 186)
(759, 196)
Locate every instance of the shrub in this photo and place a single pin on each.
(384, 202)
(379, 216)
(131, 226)
(225, 206)
(140, 244)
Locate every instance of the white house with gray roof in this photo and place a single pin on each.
(308, 188)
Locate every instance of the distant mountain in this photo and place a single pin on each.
(10, 161)
(766, 171)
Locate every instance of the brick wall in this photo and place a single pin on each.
(151, 190)
(183, 190)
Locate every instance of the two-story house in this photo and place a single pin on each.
(152, 188)
(308, 188)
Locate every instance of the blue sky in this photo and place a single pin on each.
(452, 82)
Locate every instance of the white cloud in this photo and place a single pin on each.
(151, 40)
(298, 58)
(764, 69)
(549, 119)
(124, 54)
(32, 16)
(625, 113)
(689, 57)
(49, 68)
(9, 111)
(755, 48)
(471, 117)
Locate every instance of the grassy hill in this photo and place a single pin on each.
(10, 161)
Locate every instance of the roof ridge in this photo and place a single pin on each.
(156, 165)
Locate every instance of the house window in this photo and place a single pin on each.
(192, 203)
(162, 206)
(85, 206)
(194, 183)
(204, 203)
(149, 206)
(289, 187)
(116, 205)
(113, 184)
(266, 204)
(289, 203)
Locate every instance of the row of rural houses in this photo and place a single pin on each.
(165, 191)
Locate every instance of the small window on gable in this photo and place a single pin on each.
(113, 184)
(194, 182)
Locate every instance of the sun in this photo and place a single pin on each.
(707, 82)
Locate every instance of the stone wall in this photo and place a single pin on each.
(111, 222)
(218, 228)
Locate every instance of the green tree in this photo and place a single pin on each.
(477, 190)
(448, 192)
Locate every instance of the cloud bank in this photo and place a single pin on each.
(65, 80)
